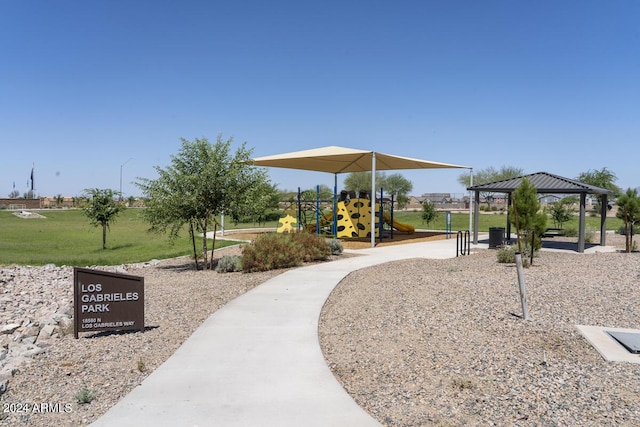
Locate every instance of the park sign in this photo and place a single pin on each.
(105, 301)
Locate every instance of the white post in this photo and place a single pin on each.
(523, 288)
(373, 200)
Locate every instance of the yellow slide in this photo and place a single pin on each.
(325, 220)
(407, 228)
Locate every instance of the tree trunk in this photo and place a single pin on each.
(213, 244)
(204, 244)
(104, 236)
(193, 242)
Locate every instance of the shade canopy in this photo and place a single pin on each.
(336, 160)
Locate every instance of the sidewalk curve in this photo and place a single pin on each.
(257, 361)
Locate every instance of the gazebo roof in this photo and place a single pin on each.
(544, 183)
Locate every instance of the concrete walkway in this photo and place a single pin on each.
(257, 361)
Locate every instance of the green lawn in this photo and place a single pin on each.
(460, 221)
(65, 237)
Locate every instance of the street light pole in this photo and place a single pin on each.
(121, 166)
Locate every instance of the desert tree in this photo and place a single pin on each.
(603, 178)
(102, 209)
(399, 187)
(525, 214)
(629, 212)
(562, 210)
(394, 184)
(487, 175)
(203, 181)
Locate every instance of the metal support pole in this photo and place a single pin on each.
(373, 195)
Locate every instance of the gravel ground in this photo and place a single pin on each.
(417, 342)
(177, 300)
(441, 342)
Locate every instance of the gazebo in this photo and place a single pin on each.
(546, 183)
(337, 160)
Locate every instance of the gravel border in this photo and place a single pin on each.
(442, 343)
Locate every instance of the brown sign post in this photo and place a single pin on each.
(105, 301)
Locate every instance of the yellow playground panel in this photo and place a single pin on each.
(286, 224)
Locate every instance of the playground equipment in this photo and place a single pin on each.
(286, 224)
(352, 215)
(407, 228)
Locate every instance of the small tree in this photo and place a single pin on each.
(202, 181)
(629, 212)
(562, 211)
(429, 212)
(525, 214)
(102, 209)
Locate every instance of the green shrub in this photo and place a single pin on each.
(571, 232)
(623, 231)
(229, 264)
(85, 395)
(273, 251)
(589, 235)
(336, 247)
(316, 248)
(507, 255)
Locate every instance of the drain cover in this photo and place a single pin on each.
(629, 340)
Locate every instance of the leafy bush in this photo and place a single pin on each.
(589, 235)
(571, 232)
(507, 255)
(85, 395)
(623, 231)
(229, 264)
(336, 247)
(316, 248)
(273, 251)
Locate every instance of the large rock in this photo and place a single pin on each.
(9, 329)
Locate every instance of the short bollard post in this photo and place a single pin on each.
(523, 288)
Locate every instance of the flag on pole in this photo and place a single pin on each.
(32, 178)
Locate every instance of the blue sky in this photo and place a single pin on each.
(89, 89)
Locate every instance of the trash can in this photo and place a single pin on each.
(496, 237)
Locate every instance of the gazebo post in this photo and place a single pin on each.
(476, 218)
(581, 226)
(603, 220)
(508, 236)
